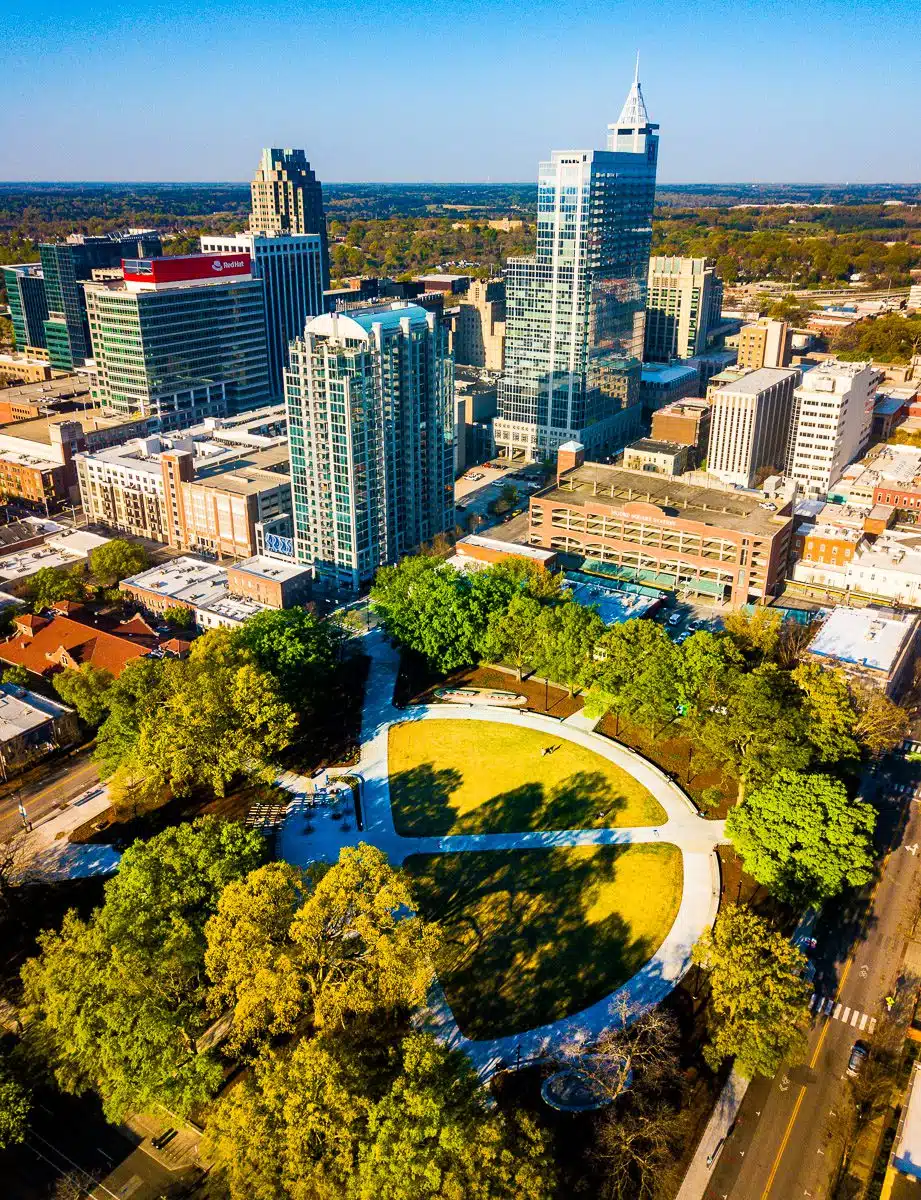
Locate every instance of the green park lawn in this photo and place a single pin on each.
(451, 776)
(534, 935)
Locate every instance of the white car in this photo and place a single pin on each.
(675, 619)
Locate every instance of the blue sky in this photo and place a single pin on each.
(769, 90)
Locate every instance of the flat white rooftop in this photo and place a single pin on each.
(271, 568)
(485, 543)
(197, 584)
(22, 711)
(61, 550)
(864, 637)
(181, 578)
(758, 381)
(839, 533)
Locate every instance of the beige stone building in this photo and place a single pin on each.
(765, 344)
(479, 333)
(204, 489)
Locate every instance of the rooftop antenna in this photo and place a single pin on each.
(636, 73)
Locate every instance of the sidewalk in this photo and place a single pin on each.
(700, 1172)
(44, 854)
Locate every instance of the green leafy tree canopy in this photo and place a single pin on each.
(803, 837)
(116, 560)
(758, 997)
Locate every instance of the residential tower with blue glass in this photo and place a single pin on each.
(370, 423)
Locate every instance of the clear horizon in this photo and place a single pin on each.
(476, 91)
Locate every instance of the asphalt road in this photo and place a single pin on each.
(68, 1138)
(786, 1141)
(53, 787)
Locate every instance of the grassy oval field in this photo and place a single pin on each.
(455, 776)
(534, 935)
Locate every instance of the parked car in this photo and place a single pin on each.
(675, 619)
(860, 1052)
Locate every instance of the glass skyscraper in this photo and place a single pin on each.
(25, 291)
(66, 266)
(575, 309)
(290, 266)
(370, 425)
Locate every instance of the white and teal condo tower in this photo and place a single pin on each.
(575, 310)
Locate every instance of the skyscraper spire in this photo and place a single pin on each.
(633, 115)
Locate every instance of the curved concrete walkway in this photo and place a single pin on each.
(695, 837)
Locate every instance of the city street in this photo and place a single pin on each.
(50, 787)
(785, 1142)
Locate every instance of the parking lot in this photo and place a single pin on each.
(684, 618)
(480, 486)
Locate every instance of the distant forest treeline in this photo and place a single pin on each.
(399, 228)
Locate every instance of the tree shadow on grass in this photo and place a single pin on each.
(421, 799)
(573, 803)
(519, 948)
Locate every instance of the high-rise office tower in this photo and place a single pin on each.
(66, 266)
(832, 422)
(575, 310)
(370, 422)
(25, 293)
(290, 266)
(287, 197)
(750, 425)
(179, 339)
(683, 304)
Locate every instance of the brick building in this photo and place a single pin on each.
(651, 529)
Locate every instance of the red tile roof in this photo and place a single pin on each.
(177, 646)
(137, 630)
(43, 646)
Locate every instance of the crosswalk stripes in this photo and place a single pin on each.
(827, 1006)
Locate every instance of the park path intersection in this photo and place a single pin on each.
(694, 836)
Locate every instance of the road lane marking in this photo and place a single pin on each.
(832, 1009)
(818, 1050)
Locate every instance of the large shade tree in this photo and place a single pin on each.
(758, 997)
(803, 837)
(116, 1002)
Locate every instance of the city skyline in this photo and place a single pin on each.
(90, 101)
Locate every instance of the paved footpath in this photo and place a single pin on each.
(304, 839)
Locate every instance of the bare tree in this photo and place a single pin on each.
(635, 1066)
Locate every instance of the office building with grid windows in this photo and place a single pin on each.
(683, 304)
(575, 309)
(180, 339)
(66, 266)
(369, 397)
(290, 266)
(750, 426)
